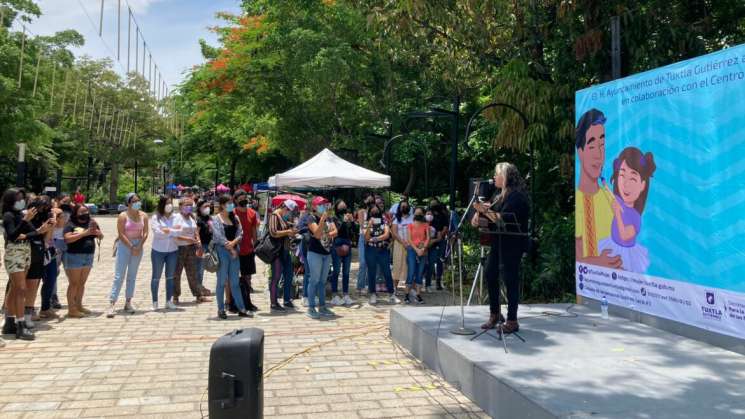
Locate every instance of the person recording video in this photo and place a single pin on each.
(507, 211)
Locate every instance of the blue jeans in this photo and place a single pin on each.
(49, 284)
(341, 262)
(200, 266)
(125, 264)
(415, 265)
(378, 258)
(160, 260)
(306, 269)
(281, 267)
(362, 273)
(319, 271)
(229, 271)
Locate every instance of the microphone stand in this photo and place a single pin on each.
(456, 237)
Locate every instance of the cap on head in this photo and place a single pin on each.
(290, 204)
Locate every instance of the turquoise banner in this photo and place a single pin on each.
(660, 190)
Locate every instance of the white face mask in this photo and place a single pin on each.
(20, 205)
(375, 221)
(206, 211)
(168, 209)
(429, 217)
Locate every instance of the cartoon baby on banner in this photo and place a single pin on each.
(608, 223)
(632, 173)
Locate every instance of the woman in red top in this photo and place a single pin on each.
(78, 198)
(416, 254)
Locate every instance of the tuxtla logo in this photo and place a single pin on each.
(710, 310)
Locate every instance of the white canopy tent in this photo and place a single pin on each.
(327, 170)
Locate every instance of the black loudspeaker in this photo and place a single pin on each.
(236, 385)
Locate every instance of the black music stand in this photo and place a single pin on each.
(507, 226)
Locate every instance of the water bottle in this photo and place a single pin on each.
(604, 308)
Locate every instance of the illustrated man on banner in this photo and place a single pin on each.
(594, 212)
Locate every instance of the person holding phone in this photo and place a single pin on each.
(132, 228)
(80, 235)
(377, 253)
(322, 234)
(43, 221)
(281, 231)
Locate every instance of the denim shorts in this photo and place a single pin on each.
(78, 260)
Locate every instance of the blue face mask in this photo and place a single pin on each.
(286, 217)
(137, 206)
(230, 207)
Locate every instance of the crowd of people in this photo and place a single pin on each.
(188, 234)
(400, 246)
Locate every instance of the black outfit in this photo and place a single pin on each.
(36, 271)
(512, 250)
(85, 245)
(230, 231)
(205, 235)
(14, 225)
(317, 246)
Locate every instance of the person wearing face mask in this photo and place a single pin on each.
(64, 204)
(341, 254)
(416, 255)
(377, 242)
(80, 235)
(400, 235)
(281, 231)
(432, 254)
(164, 253)
(367, 203)
(205, 237)
(51, 267)
(323, 232)
(189, 251)
(40, 258)
(227, 234)
(132, 231)
(17, 230)
(249, 223)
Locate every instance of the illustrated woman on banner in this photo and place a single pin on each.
(632, 173)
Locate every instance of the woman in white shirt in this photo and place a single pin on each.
(189, 251)
(164, 251)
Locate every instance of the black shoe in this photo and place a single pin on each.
(277, 307)
(439, 287)
(222, 315)
(243, 314)
(232, 309)
(23, 332)
(419, 299)
(9, 328)
(407, 300)
(251, 307)
(289, 305)
(55, 303)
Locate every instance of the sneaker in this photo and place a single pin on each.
(9, 327)
(252, 307)
(441, 287)
(348, 301)
(362, 292)
(23, 332)
(305, 301)
(155, 306)
(373, 299)
(313, 314)
(245, 314)
(289, 305)
(222, 315)
(407, 299)
(419, 299)
(277, 307)
(111, 312)
(393, 299)
(170, 305)
(128, 308)
(28, 322)
(325, 312)
(336, 301)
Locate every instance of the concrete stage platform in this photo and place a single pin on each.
(576, 367)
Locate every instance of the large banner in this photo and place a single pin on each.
(660, 192)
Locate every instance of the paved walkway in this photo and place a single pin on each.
(155, 364)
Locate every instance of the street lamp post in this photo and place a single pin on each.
(21, 167)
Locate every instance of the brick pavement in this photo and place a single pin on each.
(155, 364)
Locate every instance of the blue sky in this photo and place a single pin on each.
(171, 28)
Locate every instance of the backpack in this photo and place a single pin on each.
(266, 248)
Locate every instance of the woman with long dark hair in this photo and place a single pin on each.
(17, 230)
(227, 234)
(281, 231)
(205, 237)
(512, 207)
(80, 235)
(43, 221)
(164, 253)
(132, 229)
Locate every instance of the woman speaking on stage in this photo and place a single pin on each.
(507, 212)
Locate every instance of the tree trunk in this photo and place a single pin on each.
(114, 183)
(233, 164)
(412, 180)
